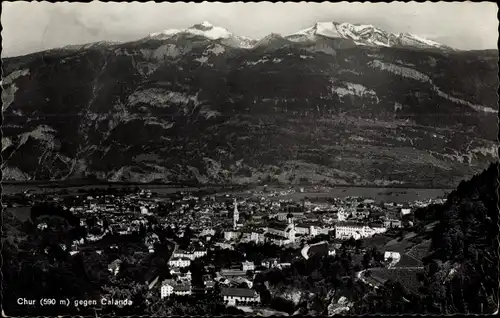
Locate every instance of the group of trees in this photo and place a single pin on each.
(208, 304)
(39, 265)
(36, 267)
(260, 252)
(372, 258)
(464, 251)
(461, 269)
(317, 276)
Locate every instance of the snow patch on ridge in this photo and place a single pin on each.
(216, 49)
(6, 143)
(202, 59)
(355, 90)
(10, 173)
(165, 51)
(42, 132)
(14, 75)
(400, 70)
(9, 92)
(161, 98)
(263, 60)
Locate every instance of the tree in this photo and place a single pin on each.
(359, 244)
(366, 260)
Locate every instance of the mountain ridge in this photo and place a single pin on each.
(355, 32)
(192, 109)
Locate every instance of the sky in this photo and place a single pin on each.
(35, 26)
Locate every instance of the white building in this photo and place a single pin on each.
(190, 255)
(395, 256)
(183, 254)
(199, 253)
(248, 266)
(42, 226)
(231, 235)
(405, 211)
(224, 246)
(392, 223)
(346, 230)
(179, 262)
(305, 229)
(332, 251)
(234, 296)
(166, 290)
(257, 237)
(269, 263)
(170, 287)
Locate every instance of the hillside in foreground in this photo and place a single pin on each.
(461, 263)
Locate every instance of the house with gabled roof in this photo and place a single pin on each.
(234, 296)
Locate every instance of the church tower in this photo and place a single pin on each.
(236, 214)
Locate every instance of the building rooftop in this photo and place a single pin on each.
(182, 287)
(350, 223)
(278, 226)
(238, 292)
(180, 259)
(273, 236)
(232, 272)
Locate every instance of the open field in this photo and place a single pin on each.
(399, 195)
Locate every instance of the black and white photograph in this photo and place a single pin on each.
(249, 159)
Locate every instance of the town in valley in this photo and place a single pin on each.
(194, 243)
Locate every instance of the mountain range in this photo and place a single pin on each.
(336, 103)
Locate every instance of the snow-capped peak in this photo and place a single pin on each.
(209, 31)
(419, 39)
(361, 34)
(206, 24)
(204, 28)
(166, 33)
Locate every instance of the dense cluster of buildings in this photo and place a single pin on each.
(350, 218)
(223, 221)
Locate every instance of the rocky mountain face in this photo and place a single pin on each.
(205, 105)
